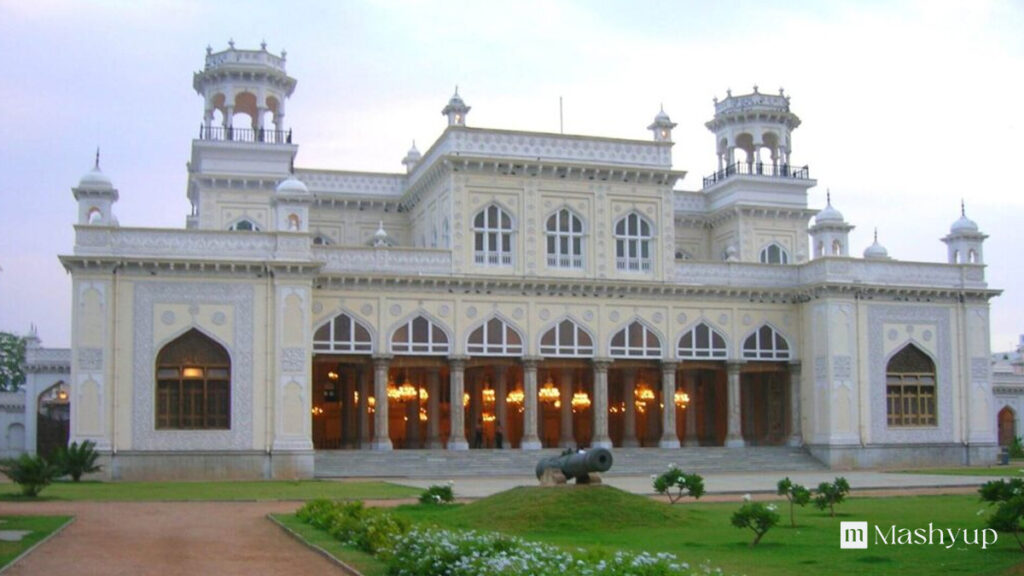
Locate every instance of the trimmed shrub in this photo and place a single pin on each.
(438, 494)
(78, 459)
(831, 493)
(676, 484)
(1009, 498)
(758, 517)
(32, 473)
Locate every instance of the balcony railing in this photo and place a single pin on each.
(258, 136)
(565, 261)
(493, 258)
(633, 264)
(758, 169)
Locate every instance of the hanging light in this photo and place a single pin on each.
(424, 395)
(371, 404)
(488, 417)
(317, 410)
(465, 399)
(423, 414)
(515, 397)
(619, 408)
(644, 394)
(488, 394)
(393, 393)
(332, 375)
(681, 399)
(580, 401)
(549, 393)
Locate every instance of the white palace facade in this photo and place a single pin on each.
(533, 289)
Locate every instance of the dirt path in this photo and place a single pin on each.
(167, 539)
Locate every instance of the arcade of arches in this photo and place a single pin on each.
(566, 398)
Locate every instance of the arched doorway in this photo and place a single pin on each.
(53, 419)
(1007, 426)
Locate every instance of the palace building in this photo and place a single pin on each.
(522, 288)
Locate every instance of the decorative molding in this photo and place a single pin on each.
(90, 359)
(293, 360)
(145, 436)
(981, 370)
(383, 260)
(842, 367)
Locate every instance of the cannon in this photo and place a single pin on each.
(582, 466)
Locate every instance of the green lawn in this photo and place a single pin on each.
(607, 518)
(182, 491)
(40, 526)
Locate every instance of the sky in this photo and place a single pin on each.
(907, 107)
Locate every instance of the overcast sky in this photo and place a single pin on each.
(906, 107)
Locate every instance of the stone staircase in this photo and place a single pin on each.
(489, 463)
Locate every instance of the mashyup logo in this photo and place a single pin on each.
(855, 536)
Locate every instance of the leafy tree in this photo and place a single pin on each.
(1016, 448)
(1009, 496)
(78, 459)
(832, 493)
(684, 484)
(32, 473)
(797, 494)
(758, 517)
(12, 356)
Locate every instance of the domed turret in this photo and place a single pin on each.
(662, 127)
(381, 239)
(965, 240)
(412, 158)
(830, 235)
(291, 205)
(95, 195)
(292, 186)
(456, 110)
(876, 251)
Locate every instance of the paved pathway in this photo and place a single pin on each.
(167, 539)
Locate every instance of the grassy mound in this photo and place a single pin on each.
(553, 509)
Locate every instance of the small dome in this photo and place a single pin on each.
(95, 178)
(292, 185)
(662, 117)
(876, 251)
(413, 155)
(456, 101)
(829, 214)
(964, 224)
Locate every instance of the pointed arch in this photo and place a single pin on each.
(492, 234)
(911, 388)
(637, 340)
(244, 225)
(564, 232)
(567, 338)
(420, 335)
(193, 383)
(495, 337)
(343, 334)
(702, 342)
(634, 243)
(774, 253)
(766, 343)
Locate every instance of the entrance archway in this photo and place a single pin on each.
(1007, 426)
(53, 419)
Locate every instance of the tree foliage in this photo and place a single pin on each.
(832, 493)
(758, 517)
(12, 356)
(676, 484)
(32, 473)
(78, 459)
(797, 494)
(1009, 498)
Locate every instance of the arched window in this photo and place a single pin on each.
(294, 223)
(567, 338)
(245, 225)
(774, 254)
(636, 340)
(343, 335)
(95, 215)
(837, 248)
(633, 244)
(433, 237)
(972, 257)
(565, 240)
(420, 336)
(910, 388)
(701, 342)
(492, 229)
(766, 344)
(495, 338)
(820, 251)
(446, 234)
(193, 384)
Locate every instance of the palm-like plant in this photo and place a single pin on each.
(78, 459)
(32, 473)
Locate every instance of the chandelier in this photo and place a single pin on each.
(371, 404)
(580, 401)
(465, 399)
(488, 417)
(515, 397)
(317, 410)
(644, 394)
(548, 393)
(682, 399)
(488, 394)
(423, 414)
(424, 396)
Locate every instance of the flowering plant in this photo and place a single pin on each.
(438, 494)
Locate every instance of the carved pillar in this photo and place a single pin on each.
(795, 433)
(689, 381)
(381, 435)
(530, 440)
(433, 409)
(734, 435)
(669, 439)
(500, 408)
(600, 405)
(456, 412)
(629, 414)
(566, 436)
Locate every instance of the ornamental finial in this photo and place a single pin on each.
(963, 210)
(263, 45)
(828, 196)
(876, 234)
(97, 166)
(231, 43)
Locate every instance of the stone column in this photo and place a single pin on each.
(795, 433)
(363, 417)
(566, 436)
(600, 404)
(691, 410)
(456, 412)
(530, 440)
(734, 435)
(500, 408)
(433, 386)
(381, 436)
(669, 438)
(629, 414)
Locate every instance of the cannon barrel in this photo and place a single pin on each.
(577, 464)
